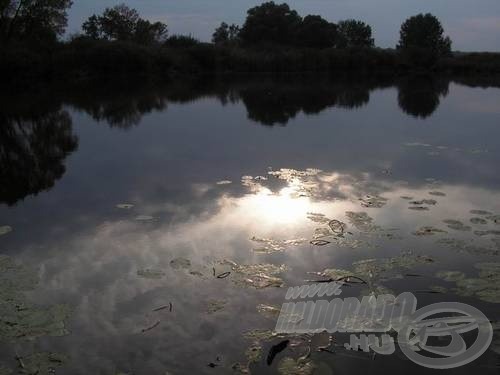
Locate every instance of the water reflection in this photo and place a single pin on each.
(420, 95)
(35, 139)
(217, 200)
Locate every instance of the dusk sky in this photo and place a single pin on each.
(473, 25)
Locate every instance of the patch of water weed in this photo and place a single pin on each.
(418, 208)
(180, 263)
(482, 233)
(19, 319)
(144, 218)
(437, 193)
(428, 231)
(258, 276)
(494, 218)
(215, 305)
(289, 174)
(478, 221)
(416, 144)
(317, 217)
(457, 225)
(462, 246)
(125, 206)
(480, 212)
(149, 273)
(486, 287)
(271, 312)
(406, 197)
(373, 201)
(41, 363)
(300, 366)
(361, 221)
(452, 276)
(5, 229)
(270, 246)
(374, 270)
(428, 202)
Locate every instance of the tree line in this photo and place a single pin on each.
(273, 37)
(268, 23)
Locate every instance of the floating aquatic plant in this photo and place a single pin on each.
(150, 273)
(19, 319)
(428, 231)
(457, 225)
(371, 201)
(125, 206)
(41, 363)
(5, 229)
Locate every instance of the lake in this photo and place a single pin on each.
(155, 229)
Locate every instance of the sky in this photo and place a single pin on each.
(473, 25)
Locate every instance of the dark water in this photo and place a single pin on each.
(178, 153)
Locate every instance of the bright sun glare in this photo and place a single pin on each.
(277, 208)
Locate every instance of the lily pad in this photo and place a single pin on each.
(457, 225)
(290, 366)
(19, 319)
(428, 231)
(215, 305)
(437, 193)
(478, 221)
(318, 218)
(361, 221)
(180, 263)
(41, 363)
(5, 229)
(480, 212)
(258, 275)
(371, 201)
(150, 273)
(418, 208)
(144, 218)
(451, 275)
(125, 206)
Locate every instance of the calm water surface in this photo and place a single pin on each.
(227, 170)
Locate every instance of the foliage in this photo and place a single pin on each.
(33, 20)
(422, 41)
(316, 32)
(124, 24)
(354, 34)
(226, 34)
(180, 41)
(270, 23)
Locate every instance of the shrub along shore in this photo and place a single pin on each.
(84, 59)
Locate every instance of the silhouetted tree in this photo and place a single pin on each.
(270, 23)
(316, 32)
(354, 34)
(33, 20)
(124, 24)
(226, 34)
(424, 31)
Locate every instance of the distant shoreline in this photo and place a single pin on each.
(88, 60)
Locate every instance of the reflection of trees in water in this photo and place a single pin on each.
(122, 107)
(33, 148)
(420, 95)
(278, 100)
